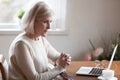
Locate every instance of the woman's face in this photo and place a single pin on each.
(41, 26)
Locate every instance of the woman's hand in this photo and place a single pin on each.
(68, 59)
(64, 60)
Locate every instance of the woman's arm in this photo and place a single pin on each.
(25, 62)
(52, 53)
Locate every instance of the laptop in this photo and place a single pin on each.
(94, 71)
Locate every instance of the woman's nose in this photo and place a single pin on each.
(48, 26)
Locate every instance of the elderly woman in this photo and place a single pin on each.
(30, 51)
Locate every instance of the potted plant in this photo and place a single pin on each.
(107, 55)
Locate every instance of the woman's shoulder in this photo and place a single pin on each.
(19, 36)
(19, 39)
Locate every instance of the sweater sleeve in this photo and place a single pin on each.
(53, 54)
(26, 65)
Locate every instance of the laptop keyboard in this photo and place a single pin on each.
(96, 71)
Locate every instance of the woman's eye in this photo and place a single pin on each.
(45, 21)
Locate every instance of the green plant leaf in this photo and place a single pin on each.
(20, 13)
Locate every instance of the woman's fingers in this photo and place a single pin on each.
(67, 58)
(64, 59)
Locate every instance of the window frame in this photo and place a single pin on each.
(14, 28)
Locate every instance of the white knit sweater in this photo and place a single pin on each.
(29, 59)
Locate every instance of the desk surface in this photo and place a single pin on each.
(75, 65)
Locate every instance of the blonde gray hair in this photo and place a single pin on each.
(38, 11)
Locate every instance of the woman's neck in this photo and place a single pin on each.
(32, 36)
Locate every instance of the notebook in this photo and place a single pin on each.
(94, 71)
